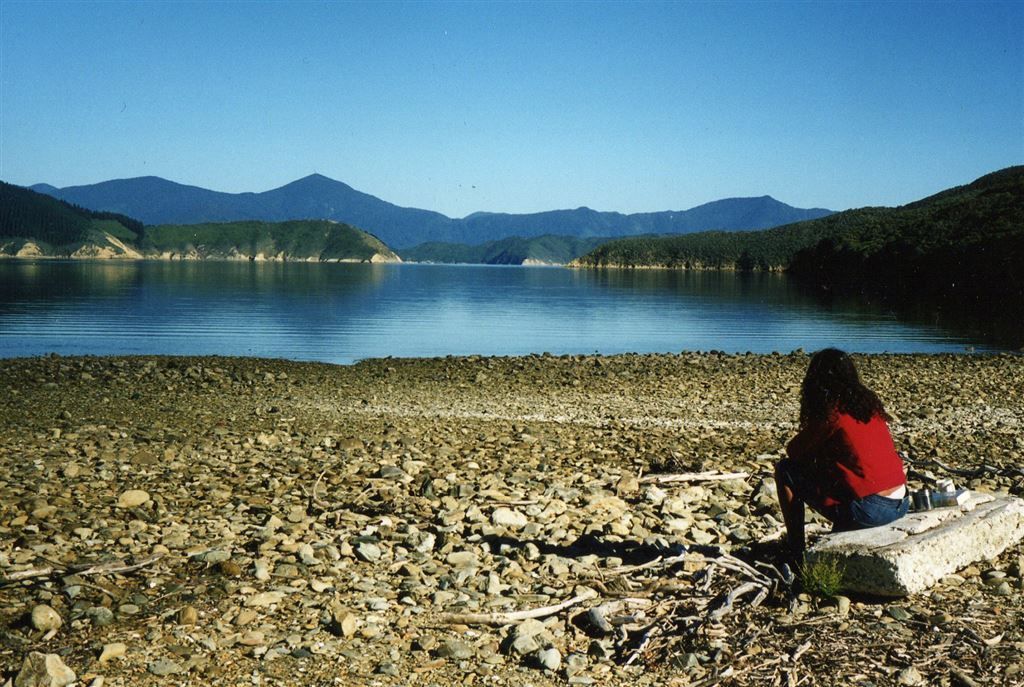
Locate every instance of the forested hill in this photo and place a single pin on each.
(305, 240)
(515, 250)
(34, 225)
(969, 238)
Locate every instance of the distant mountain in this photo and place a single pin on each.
(158, 201)
(967, 241)
(37, 225)
(515, 250)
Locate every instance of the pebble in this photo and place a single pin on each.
(163, 667)
(368, 552)
(597, 619)
(188, 615)
(507, 517)
(112, 651)
(100, 616)
(911, 677)
(262, 570)
(1003, 589)
(348, 623)
(899, 613)
(477, 511)
(264, 599)
(523, 645)
(531, 627)
(549, 658)
(245, 617)
(253, 638)
(215, 556)
(230, 569)
(388, 668)
(132, 498)
(463, 560)
(44, 618)
(457, 649)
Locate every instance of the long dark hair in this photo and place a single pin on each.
(831, 384)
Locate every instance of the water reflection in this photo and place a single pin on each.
(342, 312)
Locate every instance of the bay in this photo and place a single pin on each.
(345, 312)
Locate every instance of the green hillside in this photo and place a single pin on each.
(515, 250)
(54, 225)
(37, 225)
(968, 239)
(296, 240)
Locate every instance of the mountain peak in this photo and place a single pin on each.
(315, 182)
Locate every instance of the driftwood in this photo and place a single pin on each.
(673, 610)
(82, 570)
(693, 477)
(510, 617)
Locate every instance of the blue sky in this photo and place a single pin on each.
(518, 107)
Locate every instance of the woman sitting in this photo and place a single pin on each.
(842, 463)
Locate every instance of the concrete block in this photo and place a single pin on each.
(916, 551)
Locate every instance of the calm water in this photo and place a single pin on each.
(342, 313)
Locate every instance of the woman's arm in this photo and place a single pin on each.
(805, 444)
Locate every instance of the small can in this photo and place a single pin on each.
(946, 485)
(922, 499)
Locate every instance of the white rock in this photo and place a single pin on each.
(655, 494)
(132, 498)
(507, 517)
(262, 567)
(113, 650)
(910, 677)
(306, 555)
(44, 618)
(916, 551)
(461, 560)
(550, 658)
(264, 599)
(531, 627)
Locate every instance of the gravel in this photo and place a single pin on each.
(308, 523)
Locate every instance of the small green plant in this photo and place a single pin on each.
(822, 576)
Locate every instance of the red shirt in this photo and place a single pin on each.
(850, 458)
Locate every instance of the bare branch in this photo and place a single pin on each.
(515, 616)
(693, 477)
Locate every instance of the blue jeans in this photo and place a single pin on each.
(875, 510)
(855, 514)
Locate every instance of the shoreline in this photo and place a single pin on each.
(314, 521)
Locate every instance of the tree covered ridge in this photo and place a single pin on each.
(299, 239)
(969, 238)
(514, 250)
(28, 215)
(60, 228)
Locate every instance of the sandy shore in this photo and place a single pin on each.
(310, 524)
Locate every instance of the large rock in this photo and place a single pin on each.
(44, 670)
(913, 553)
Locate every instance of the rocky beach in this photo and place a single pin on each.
(470, 521)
